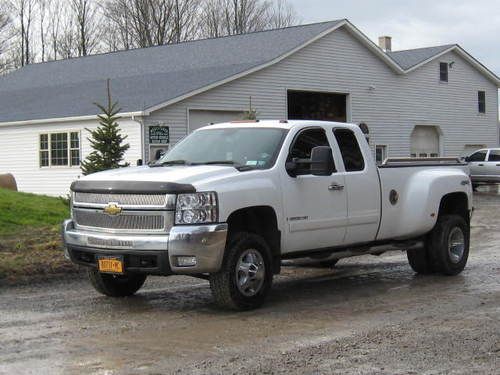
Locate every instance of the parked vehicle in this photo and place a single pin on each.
(484, 166)
(232, 200)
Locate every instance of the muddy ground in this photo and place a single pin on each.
(368, 315)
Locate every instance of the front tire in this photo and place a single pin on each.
(115, 285)
(246, 276)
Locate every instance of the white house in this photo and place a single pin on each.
(422, 102)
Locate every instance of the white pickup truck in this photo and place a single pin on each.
(232, 200)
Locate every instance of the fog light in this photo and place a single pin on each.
(186, 261)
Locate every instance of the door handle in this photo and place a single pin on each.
(498, 165)
(335, 187)
(481, 165)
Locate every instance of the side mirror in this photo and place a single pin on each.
(322, 163)
(467, 159)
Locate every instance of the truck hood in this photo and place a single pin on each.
(193, 175)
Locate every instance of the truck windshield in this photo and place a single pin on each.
(250, 148)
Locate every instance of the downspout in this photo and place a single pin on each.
(141, 124)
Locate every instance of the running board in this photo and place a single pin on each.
(378, 249)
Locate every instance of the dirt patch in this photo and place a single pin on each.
(34, 254)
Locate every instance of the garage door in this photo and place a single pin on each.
(305, 105)
(199, 118)
(425, 142)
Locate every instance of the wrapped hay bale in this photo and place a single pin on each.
(7, 181)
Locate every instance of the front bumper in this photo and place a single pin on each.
(151, 254)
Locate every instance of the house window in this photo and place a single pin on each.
(44, 150)
(74, 151)
(481, 101)
(60, 149)
(443, 72)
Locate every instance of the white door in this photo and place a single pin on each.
(477, 163)
(362, 186)
(315, 207)
(492, 165)
(199, 118)
(425, 142)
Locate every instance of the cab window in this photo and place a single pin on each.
(349, 148)
(478, 156)
(303, 145)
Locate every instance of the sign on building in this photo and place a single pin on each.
(159, 135)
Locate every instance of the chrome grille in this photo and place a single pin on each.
(131, 221)
(138, 200)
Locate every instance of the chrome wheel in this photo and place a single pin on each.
(250, 272)
(456, 245)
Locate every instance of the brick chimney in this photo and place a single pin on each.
(385, 42)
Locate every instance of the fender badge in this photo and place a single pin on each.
(112, 209)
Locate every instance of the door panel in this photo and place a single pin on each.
(316, 215)
(492, 166)
(315, 207)
(477, 163)
(362, 186)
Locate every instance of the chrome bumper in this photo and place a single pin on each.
(204, 244)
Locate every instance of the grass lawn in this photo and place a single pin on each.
(30, 240)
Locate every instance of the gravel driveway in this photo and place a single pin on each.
(368, 315)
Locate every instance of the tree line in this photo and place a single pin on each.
(43, 30)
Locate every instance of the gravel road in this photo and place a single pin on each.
(368, 315)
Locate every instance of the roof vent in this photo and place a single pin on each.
(385, 42)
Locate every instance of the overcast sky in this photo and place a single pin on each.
(474, 24)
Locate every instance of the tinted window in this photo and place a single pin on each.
(349, 148)
(443, 72)
(478, 156)
(494, 155)
(303, 146)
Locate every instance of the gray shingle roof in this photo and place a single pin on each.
(411, 57)
(141, 78)
(144, 78)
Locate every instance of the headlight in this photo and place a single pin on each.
(197, 208)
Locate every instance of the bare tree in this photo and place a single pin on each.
(145, 23)
(55, 11)
(23, 22)
(282, 14)
(5, 36)
(87, 23)
(229, 17)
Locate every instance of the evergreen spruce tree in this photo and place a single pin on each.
(251, 114)
(106, 140)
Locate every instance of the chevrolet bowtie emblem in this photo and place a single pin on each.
(112, 209)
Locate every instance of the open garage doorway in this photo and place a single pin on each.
(425, 142)
(306, 105)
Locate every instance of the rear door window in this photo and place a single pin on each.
(349, 149)
(494, 155)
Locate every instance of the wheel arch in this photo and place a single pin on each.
(261, 220)
(456, 203)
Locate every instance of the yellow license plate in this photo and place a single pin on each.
(110, 265)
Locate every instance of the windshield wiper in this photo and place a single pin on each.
(169, 163)
(238, 166)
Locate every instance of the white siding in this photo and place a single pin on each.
(339, 63)
(19, 146)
